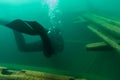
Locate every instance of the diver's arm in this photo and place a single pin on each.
(25, 47)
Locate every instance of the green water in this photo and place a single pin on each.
(60, 13)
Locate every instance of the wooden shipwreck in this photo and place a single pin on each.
(11, 74)
(106, 28)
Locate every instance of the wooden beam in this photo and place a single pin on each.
(108, 40)
(104, 23)
(98, 46)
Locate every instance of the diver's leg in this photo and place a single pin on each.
(48, 48)
(38, 28)
(21, 26)
(23, 46)
(20, 40)
(34, 28)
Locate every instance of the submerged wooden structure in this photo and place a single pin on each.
(106, 28)
(9, 74)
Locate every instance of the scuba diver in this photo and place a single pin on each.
(51, 39)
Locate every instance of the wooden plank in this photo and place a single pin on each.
(93, 19)
(8, 74)
(108, 40)
(98, 46)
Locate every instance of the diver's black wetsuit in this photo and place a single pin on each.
(27, 47)
(32, 28)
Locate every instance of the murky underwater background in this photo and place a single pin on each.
(60, 13)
